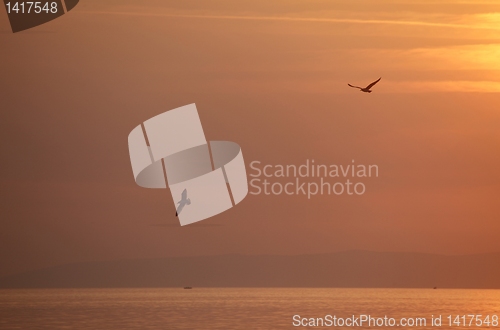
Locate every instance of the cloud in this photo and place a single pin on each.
(482, 26)
(444, 86)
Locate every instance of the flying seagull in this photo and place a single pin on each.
(367, 88)
(184, 201)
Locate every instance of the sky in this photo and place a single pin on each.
(271, 76)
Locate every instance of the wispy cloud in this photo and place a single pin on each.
(309, 19)
(444, 86)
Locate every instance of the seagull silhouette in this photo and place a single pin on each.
(367, 88)
(184, 201)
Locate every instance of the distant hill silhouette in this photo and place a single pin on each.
(344, 269)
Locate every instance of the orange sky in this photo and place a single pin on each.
(271, 76)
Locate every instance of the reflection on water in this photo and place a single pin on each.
(226, 308)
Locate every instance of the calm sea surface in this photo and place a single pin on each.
(230, 308)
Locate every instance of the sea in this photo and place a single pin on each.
(249, 308)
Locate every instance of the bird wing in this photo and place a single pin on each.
(179, 208)
(184, 194)
(354, 86)
(373, 83)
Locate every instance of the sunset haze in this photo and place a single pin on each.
(271, 76)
